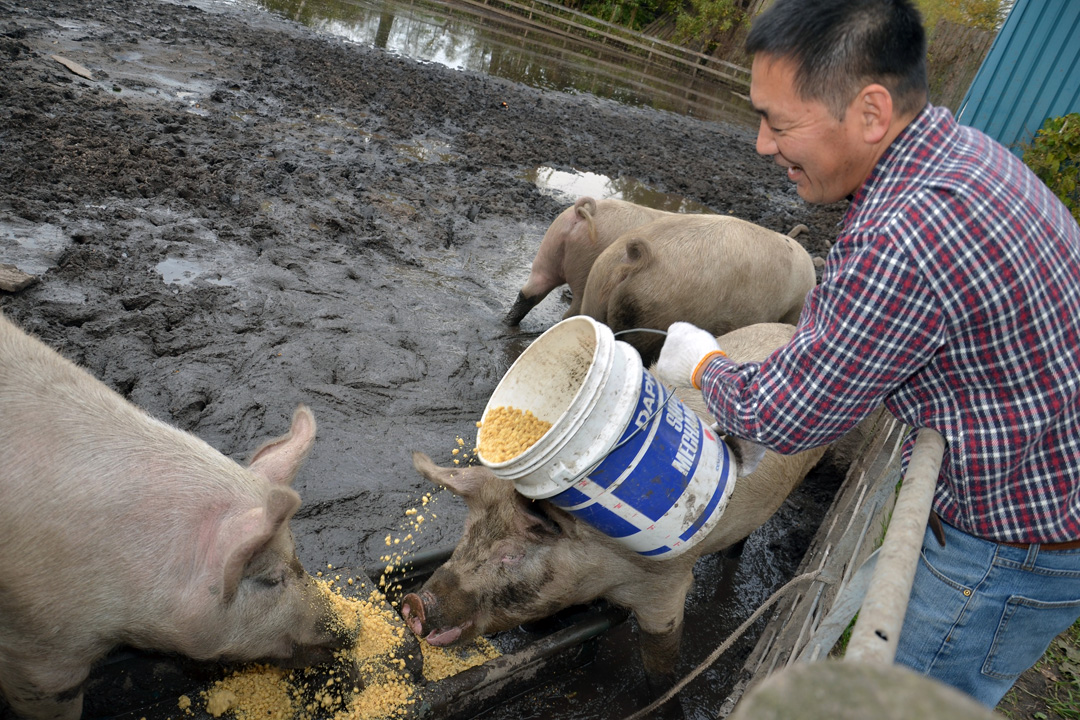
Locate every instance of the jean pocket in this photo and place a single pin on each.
(952, 569)
(1026, 629)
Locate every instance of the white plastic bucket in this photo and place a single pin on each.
(659, 492)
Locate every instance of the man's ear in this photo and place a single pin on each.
(874, 108)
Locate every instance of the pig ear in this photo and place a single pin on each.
(279, 460)
(242, 536)
(465, 481)
(748, 455)
(533, 518)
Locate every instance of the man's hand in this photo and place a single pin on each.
(686, 351)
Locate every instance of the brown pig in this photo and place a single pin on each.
(521, 560)
(571, 244)
(714, 271)
(118, 529)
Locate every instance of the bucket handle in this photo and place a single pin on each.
(643, 425)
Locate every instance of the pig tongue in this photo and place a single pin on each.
(438, 638)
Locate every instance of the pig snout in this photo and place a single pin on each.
(412, 610)
(306, 656)
(328, 634)
(422, 614)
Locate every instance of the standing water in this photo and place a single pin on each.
(455, 36)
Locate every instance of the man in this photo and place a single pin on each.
(952, 294)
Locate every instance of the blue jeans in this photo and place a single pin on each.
(980, 613)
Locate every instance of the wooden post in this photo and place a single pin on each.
(877, 630)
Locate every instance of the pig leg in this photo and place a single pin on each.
(660, 655)
(733, 551)
(658, 609)
(521, 308)
(31, 696)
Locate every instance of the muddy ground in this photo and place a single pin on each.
(234, 215)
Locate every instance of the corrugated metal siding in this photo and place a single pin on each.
(1031, 73)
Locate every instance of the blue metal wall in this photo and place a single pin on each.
(1032, 72)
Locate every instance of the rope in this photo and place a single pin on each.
(724, 646)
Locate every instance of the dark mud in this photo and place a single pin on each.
(234, 215)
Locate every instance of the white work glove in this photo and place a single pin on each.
(686, 350)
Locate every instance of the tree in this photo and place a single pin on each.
(983, 14)
(704, 22)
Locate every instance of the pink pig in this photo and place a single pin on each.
(118, 529)
(571, 244)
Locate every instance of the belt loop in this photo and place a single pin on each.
(1032, 555)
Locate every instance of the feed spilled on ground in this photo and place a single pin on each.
(507, 432)
(369, 680)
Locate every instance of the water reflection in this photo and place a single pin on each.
(569, 186)
(452, 35)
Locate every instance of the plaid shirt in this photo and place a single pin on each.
(952, 294)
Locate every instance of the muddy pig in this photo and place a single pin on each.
(520, 560)
(715, 271)
(571, 244)
(118, 529)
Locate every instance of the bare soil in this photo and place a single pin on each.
(236, 214)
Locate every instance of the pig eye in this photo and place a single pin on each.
(272, 580)
(511, 554)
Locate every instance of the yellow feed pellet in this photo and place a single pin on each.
(262, 692)
(254, 693)
(507, 432)
(441, 663)
(369, 680)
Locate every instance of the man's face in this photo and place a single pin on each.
(826, 158)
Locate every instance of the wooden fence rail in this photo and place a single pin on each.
(954, 52)
(545, 14)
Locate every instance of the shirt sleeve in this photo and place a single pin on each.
(872, 323)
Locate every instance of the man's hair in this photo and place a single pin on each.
(841, 46)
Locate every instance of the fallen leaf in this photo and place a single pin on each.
(1071, 651)
(73, 66)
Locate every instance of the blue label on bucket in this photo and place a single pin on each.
(725, 460)
(649, 470)
(606, 521)
(659, 479)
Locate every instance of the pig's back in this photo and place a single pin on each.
(81, 466)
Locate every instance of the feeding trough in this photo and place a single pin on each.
(592, 649)
(136, 685)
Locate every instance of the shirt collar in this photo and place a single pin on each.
(915, 132)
